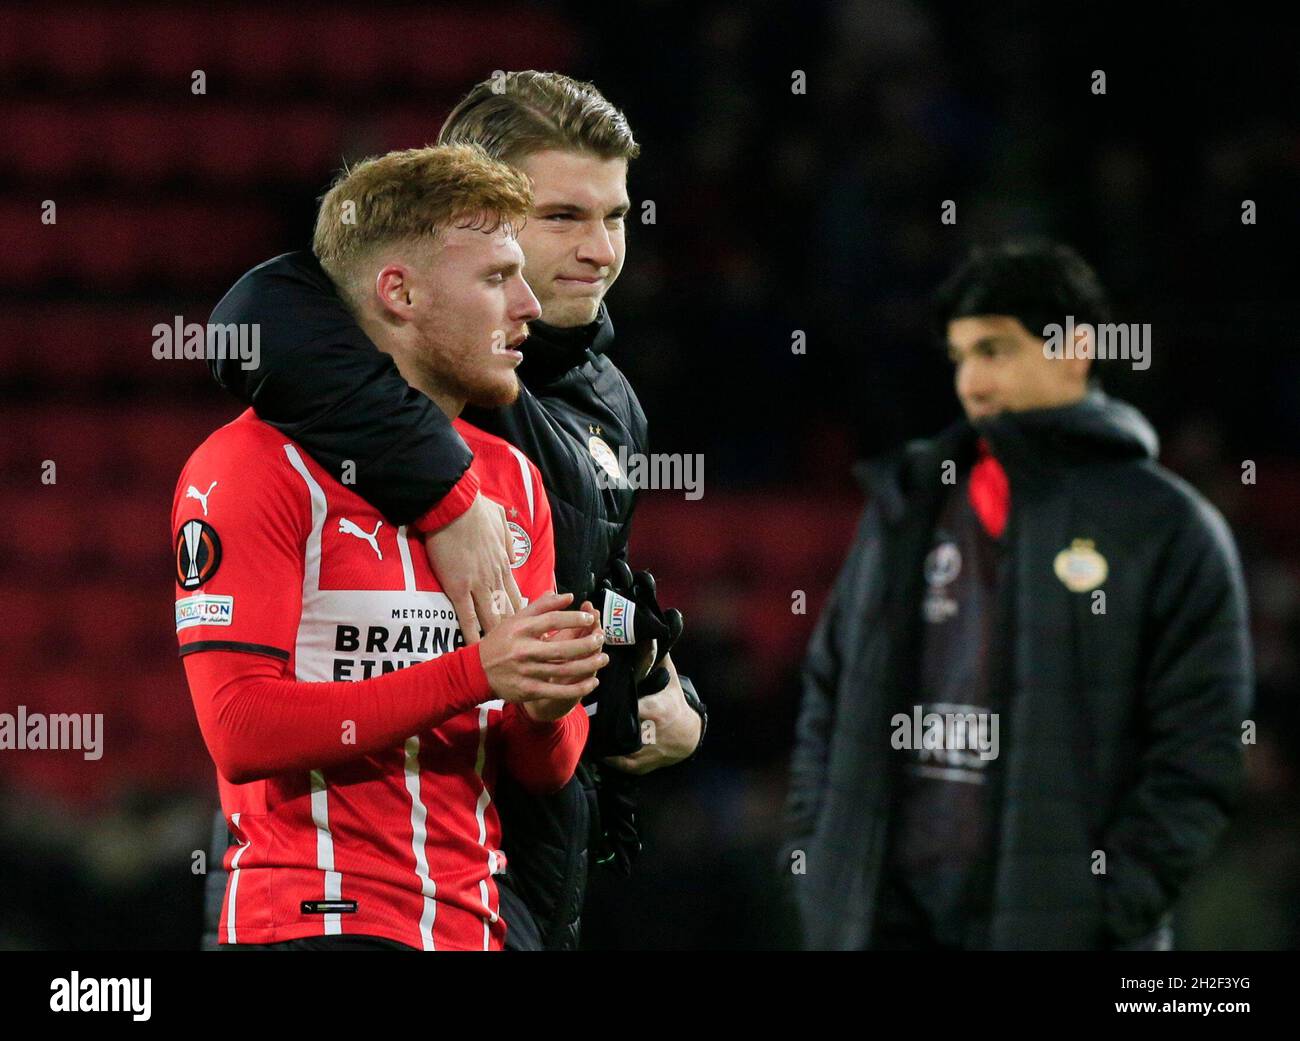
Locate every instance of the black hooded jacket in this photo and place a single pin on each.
(1121, 727)
(322, 382)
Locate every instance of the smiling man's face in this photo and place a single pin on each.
(574, 237)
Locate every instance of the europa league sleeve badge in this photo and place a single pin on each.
(198, 553)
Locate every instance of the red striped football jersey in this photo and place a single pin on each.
(276, 557)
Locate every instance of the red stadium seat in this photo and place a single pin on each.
(167, 44)
(84, 452)
(231, 145)
(148, 735)
(262, 48)
(106, 242)
(308, 143)
(13, 30)
(48, 534)
(30, 632)
(110, 244)
(354, 47)
(31, 248)
(139, 143)
(136, 530)
(43, 141)
(74, 46)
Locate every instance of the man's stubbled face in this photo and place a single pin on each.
(574, 238)
(474, 306)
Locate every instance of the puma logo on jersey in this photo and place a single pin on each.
(347, 527)
(193, 493)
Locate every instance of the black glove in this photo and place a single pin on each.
(647, 599)
(616, 723)
(618, 842)
(630, 612)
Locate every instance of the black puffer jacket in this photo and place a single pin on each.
(322, 382)
(1122, 730)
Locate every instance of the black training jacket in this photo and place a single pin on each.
(1121, 731)
(322, 382)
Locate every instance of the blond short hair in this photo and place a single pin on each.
(514, 114)
(410, 195)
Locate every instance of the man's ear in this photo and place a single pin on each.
(393, 289)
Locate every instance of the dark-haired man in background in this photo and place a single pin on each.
(1022, 705)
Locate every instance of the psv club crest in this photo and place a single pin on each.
(1081, 568)
(604, 456)
(521, 546)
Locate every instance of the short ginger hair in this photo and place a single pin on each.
(410, 195)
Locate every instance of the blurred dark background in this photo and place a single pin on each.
(775, 212)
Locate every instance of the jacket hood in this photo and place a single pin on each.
(1029, 444)
(1092, 430)
(550, 351)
